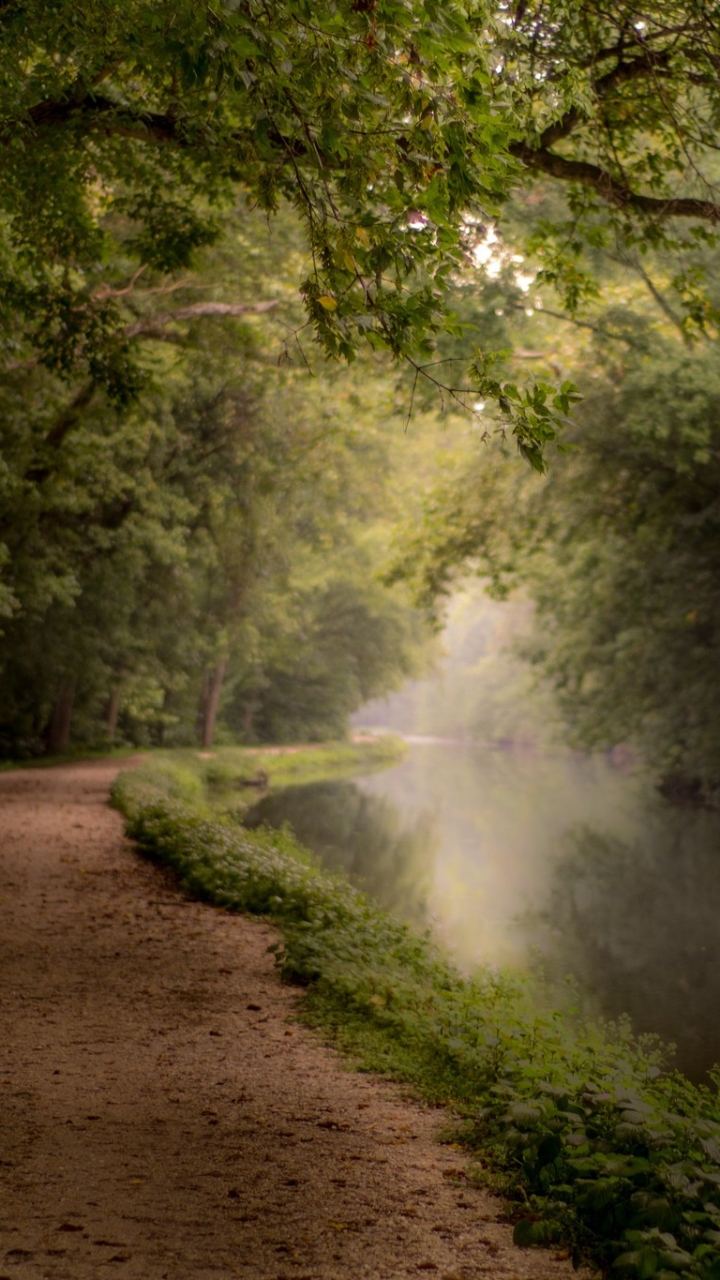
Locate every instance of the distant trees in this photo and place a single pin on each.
(170, 507)
(180, 552)
(626, 571)
(618, 547)
(345, 640)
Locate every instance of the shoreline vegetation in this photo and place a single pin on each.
(596, 1144)
(220, 770)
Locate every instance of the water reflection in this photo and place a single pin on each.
(637, 925)
(364, 835)
(509, 855)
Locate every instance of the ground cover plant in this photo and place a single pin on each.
(593, 1140)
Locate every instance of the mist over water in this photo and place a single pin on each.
(498, 821)
(519, 852)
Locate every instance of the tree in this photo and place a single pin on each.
(126, 126)
(168, 546)
(628, 581)
(619, 104)
(618, 547)
(338, 645)
(137, 141)
(393, 129)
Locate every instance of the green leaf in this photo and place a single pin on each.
(524, 1233)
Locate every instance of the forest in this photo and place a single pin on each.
(307, 315)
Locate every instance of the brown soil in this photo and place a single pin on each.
(162, 1114)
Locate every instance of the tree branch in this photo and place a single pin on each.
(162, 128)
(613, 190)
(63, 423)
(625, 261)
(621, 74)
(124, 120)
(148, 325)
(579, 324)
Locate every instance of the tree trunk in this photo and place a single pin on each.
(162, 722)
(111, 715)
(202, 707)
(214, 687)
(248, 715)
(57, 732)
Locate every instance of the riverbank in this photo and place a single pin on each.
(225, 768)
(163, 1113)
(602, 1149)
(247, 770)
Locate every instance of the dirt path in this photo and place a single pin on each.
(162, 1115)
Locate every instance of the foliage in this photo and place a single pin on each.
(600, 1147)
(394, 129)
(627, 592)
(172, 487)
(215, 521)
(618, 546)
(337, 645)
(618, 104)
(126, 126)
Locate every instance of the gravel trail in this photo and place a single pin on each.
(162, 1114)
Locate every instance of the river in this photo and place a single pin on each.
(546, 859)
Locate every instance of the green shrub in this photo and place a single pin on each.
(578, 1123)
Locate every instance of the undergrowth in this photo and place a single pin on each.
(592, 1141)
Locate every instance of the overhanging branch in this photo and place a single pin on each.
(125, 120)
(613, 190)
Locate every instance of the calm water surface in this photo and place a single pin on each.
(522, 859)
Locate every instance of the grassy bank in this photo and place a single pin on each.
(592, 1141)
(221, 771)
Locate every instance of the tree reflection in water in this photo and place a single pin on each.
(630, 907)
(638, 925)
(364, 835)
